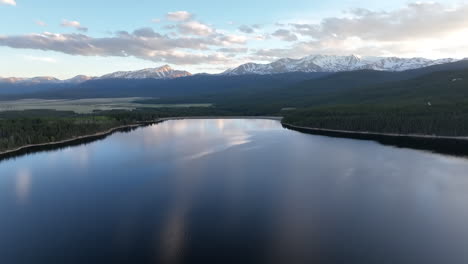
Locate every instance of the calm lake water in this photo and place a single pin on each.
(233, 191)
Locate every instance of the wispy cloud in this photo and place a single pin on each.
(73, 24)
(143, 43)
(8, 2)
(234, 50)
(246, 29)
(285, 35)
(179, 16)
(195, 28)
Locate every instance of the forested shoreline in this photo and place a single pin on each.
(18, 129)
(23, 128)
(439, 120)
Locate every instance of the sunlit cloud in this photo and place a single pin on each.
(195, 28)
(142, 43)
(179, 16)
(401, 32)
(8, 2)
(74, 24)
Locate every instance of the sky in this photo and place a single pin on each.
(66, 38)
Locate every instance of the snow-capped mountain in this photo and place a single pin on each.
(315, 63)
(44, 80)
(164, 72)
(331, 63)
(79, 79)
(34, 80)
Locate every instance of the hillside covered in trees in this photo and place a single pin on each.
(434, 104)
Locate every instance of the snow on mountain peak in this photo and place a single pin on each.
(335, 63)
(163, 72)
(34, 80)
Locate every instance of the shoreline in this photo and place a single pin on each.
(365, 133)
(277, 118)
(115, 129)
(302, 129)
(99, 134)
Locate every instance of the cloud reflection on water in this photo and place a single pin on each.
(23, 185)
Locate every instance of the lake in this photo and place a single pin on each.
(232, 191)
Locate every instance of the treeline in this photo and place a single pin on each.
(19, 132)
(441, 120)
(20, 128)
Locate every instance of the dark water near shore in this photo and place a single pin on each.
(232, 191)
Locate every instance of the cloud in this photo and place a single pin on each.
(417, 29)
(195, 28)
(156, 20)
(249, 29)
(73, 24)
(8, 2)
(146, 33)
(41, 23)
(190, 58)
(262, 37)
(246, 29)
(234, 50)
(285, 35)
(179, 16)
(414, 21)
(232, 39)
(143, 43)
(170, 27)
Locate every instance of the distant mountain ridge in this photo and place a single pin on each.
(164, 72)
(34, 80)
(332, 63)
(208, 86)
(309, 64)
(44, 80)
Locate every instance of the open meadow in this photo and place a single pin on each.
(85, 106)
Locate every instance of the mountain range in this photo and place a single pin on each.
(164, 72)
(309, 64)
(331, 63)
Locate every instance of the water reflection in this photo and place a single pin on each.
(23, 185)
(233, 191)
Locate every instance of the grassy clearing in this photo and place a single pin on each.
(85, 106)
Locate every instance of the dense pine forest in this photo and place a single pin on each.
(434, 104)
(441, 120)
